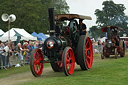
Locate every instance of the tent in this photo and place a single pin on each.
(1, 32)
(43, 35)
(15, 33)
(103, 39)
(36, 35)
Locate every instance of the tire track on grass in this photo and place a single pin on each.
(20, 78)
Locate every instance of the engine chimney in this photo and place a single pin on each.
(51, 21)
(109, 33)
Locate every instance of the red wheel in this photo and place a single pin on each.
(35, 62)
(57, 67)
(85, 52)
(68, 61)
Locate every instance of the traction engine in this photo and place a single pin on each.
(64, 47)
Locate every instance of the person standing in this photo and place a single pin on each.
(2, 56)
(99, 45)
(36, 45)
(25, 51)
(30, 47)
(82, 27)
(19, 55)
(6, 48)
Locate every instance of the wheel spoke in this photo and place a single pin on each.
(87, 42)
(88, 62)
(34, 62)
(88, 57)
(36, 67)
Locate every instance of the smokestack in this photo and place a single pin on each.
(51, 21)
(108, 33)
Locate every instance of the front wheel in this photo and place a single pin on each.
(68, 61)
(107, 56)
(122, 47)
(35, 62)
(116, 53)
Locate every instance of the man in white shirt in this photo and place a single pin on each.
(6, 48)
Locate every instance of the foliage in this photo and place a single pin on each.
(32, 15)
(95, 31)
(112, 14)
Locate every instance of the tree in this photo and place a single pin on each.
(111, 14)
(95, 32)
(60, 7)
(32, 15)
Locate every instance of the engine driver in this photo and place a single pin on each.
(82, 27)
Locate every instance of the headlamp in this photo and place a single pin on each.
(50, 44)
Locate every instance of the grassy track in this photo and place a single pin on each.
(109, 71)
(14, 70)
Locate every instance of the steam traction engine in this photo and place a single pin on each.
(113, 44)
(64, 47)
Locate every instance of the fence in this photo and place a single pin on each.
(14, 59)
(97, 48)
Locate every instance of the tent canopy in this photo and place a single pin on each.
(39, 36)
(42, 35)
(16, 32)
(36, 35)
(1, 32)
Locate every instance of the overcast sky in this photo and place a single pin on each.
(88, 7)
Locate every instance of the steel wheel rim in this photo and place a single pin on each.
(88, 53)
(37, 65)
(70, 61)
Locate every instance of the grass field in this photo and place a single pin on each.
(109, 71)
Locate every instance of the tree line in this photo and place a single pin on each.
(32, 15)
(112, 14)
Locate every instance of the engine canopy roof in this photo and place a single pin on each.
(104, 29)
(62, 17)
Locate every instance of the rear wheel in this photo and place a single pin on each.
(116, 53)
(57, 67)
(68, 61)
(102, 56)
(122, 47)
(85, 52)
(35, 62)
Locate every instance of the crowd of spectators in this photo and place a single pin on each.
(97, 46)
(17, 55)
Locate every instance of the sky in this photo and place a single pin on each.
(88, 7)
